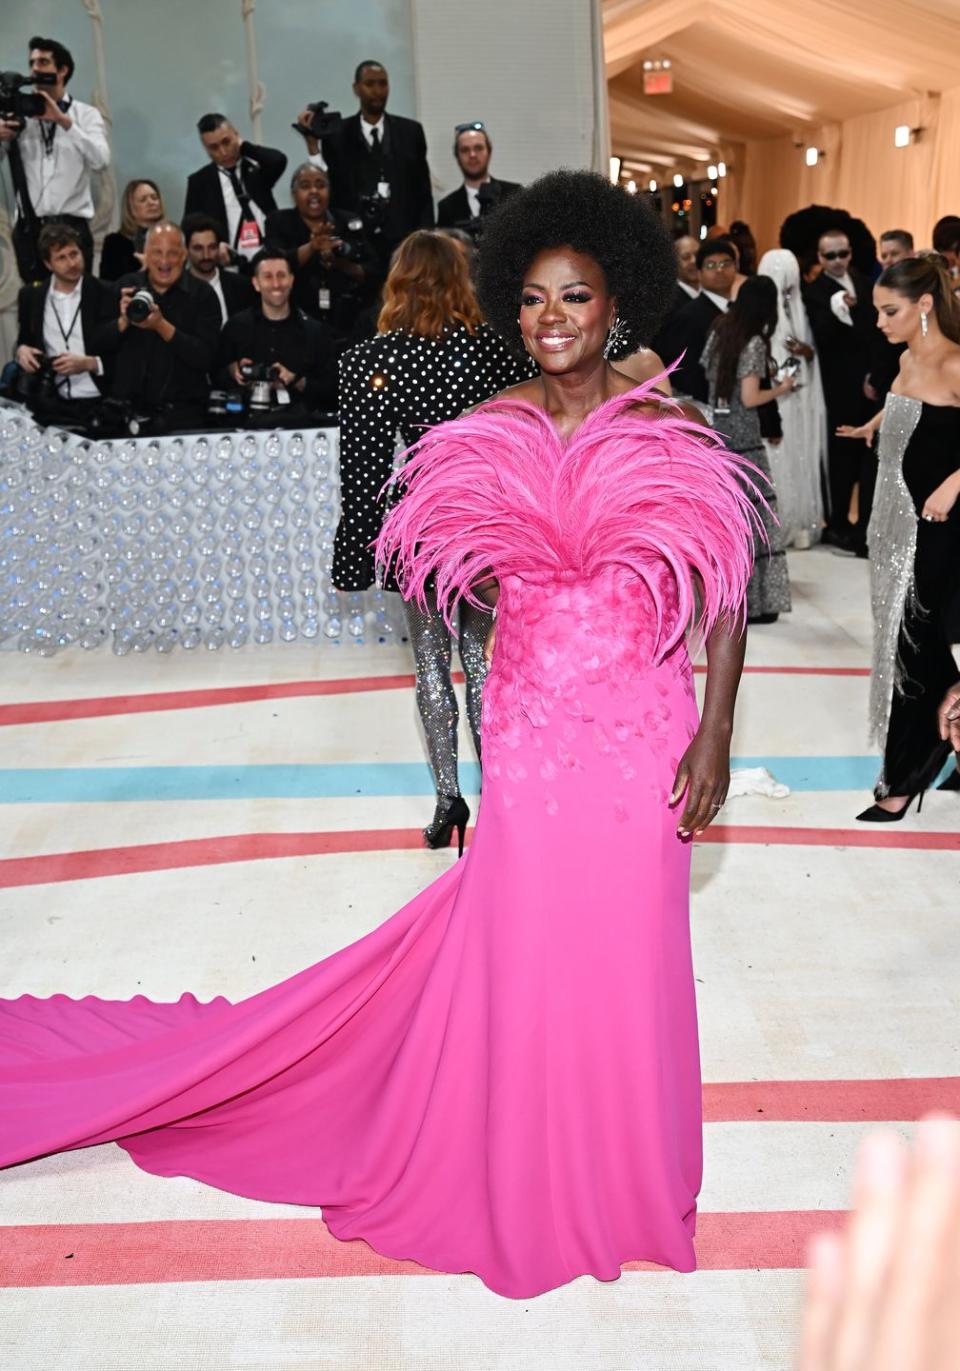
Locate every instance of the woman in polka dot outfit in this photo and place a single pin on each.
(432, 358)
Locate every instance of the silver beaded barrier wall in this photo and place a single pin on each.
(213, 540)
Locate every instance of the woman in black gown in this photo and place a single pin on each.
(432, 358)
(914, 533)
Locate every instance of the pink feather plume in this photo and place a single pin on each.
(498, 492)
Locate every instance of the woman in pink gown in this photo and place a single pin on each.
(504, 1077)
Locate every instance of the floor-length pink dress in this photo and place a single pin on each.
(504, 1077)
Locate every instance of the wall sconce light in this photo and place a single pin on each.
(721, 168)
(678, 180)
(631, 187)
(711, 172)
(615, 164)
(653, 187)
(812, 156)
(904, 135)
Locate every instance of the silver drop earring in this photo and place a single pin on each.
(616, 336)
(923, 322)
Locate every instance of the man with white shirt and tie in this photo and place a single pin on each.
(235, 188)
(60, 320)
(480, 191)
(377, 163)
(844, 324)
(686, 332)
(53, 159)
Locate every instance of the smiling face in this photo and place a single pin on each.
(311, 194)
(898, 318)
(273, 281)
(566, 310)
(163, 257)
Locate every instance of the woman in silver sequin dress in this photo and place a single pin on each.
(737, 362)
(432, 359)
(914, 533)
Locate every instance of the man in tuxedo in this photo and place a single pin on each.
(235, 188)
(202, 237)
(60, 320)
(377, 164)
(844, 323)
(480, 191)
(686, 332)
(687, 286)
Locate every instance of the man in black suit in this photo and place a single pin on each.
(60, 324)
(844, 323)
(379, 159)
(235, 188)
(687, 286)
(202, 237)
(480, 191)
(687, 331)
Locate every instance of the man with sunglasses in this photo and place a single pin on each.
(844, 321)
(480, 191)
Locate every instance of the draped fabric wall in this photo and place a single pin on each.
(861, 171)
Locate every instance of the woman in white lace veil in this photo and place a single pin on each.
(796, 461)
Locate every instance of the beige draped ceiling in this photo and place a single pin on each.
(756, 82)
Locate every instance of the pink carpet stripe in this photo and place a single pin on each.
(45, 1255)
(52, 867)
(103, 706)
(893, 1100)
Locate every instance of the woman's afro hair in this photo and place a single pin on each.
(583, 211)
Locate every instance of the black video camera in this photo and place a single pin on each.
(323, 122)
(40, 385)
(18, 106)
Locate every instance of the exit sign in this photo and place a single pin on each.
(658, 83)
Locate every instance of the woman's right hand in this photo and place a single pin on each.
(864, 431)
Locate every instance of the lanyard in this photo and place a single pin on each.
(65, 333)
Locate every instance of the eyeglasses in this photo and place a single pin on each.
(723, 264)
(476, 126)
(840, 256)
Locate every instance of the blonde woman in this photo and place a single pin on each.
(141, 206)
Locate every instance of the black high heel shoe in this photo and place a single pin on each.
(452, 812)
(877, 815)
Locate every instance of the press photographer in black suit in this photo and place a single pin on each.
(164, 355)
(272, 332)
(61, 321)
(480, 191)
(375, 154)
(235, 188)
(337, 272)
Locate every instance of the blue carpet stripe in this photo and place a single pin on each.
(82, 785)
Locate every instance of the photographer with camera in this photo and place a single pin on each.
(54, 144)
(336, 270)
(480, 192)
(166, 335)
(377, 163)
(274, 342)
(61, 321)
(235, 189)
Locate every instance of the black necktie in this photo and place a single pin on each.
(375, 139)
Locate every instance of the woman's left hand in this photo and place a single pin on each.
(704, 774)
(937, 507)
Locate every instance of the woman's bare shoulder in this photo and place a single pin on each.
(529, 391)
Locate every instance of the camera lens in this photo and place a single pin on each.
(140, 306)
